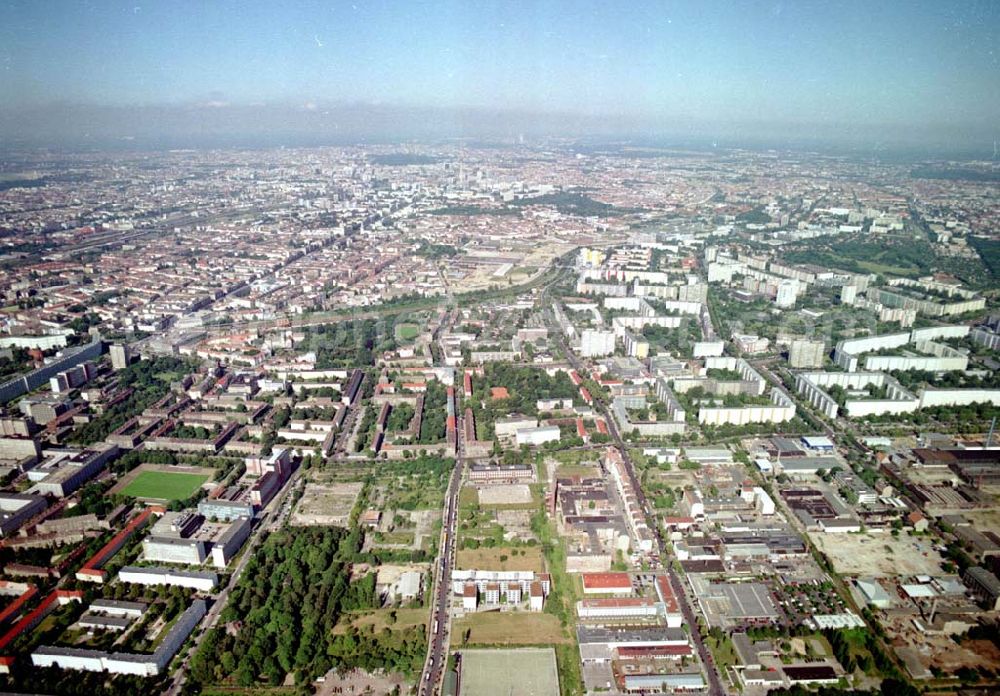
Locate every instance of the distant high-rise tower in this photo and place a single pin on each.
(788, 292)
(120, 356)
(848, 294)
(803, 353)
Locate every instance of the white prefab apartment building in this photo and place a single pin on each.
(595, 343)
(196, 580)
(143, 665)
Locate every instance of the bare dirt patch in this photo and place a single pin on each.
(513, 494)
(326, 503)
(879, 555)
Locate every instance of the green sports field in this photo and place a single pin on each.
(407, 332)
(522, 672)
(164, 485)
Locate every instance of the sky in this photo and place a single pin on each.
(875, 69)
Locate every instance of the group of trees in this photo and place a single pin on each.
(393, 650)
(914, 379)
(352, 343)
(966, 418)
(902, 252)
(711, 433)
(15, 364)
(435, 414)
(573, 203)
(287, 604)
(888, 687)
(27, 678)
(677, 341)
(82, 323)
(910, 253)
(314, 412)
(282, 415)
(857, 648)
(285, 610)
(194, 432)
(989, 252)
(525, 387)
(400, 417)
(150, 381)
(435, 251)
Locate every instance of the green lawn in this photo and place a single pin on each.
(407, 332)
(164, 485)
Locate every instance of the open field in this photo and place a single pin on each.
(508, 628)
(879, 555)
(583, 471)
(382, 618)
(527, 558)
(326, 503)
(525, 672)
(468, 496)
(163, 482)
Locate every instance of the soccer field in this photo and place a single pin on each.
(164, 485)
(407, 332)
(524, 672)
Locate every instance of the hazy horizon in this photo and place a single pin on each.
(903, 75)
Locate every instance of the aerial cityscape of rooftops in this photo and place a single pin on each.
(308, 406)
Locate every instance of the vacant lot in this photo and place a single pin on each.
(521, 558)
(879, 555)
(510, 494)
(983, 519)
(508, 628)
(326, 503)
(164, 483)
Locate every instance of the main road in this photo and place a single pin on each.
(440, 626)
(440, 618)
(437, 648)
(715, 684)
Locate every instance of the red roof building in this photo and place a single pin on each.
(14, 607)
(607, 583)
(91, 570)
(666, 594)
